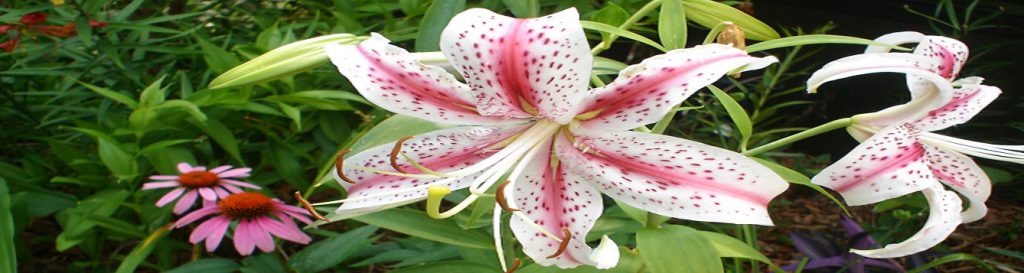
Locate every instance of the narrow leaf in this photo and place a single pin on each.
(813, 39)
(110, 94)
(328, 253)
(142, 250)
(428, 38)
(672, 24)
(417, 224)
(736, 113)
(8, 261)
(591, 25)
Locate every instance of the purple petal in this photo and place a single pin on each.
(159, 185)
(164, 177)
(221, 192)
(285, 230)
(240, 172)
(184, 167)
(170, 196)
(243, 238)
(262, 237)
(217, 233)
(220, 169)
(240, 183)
(208, 193)
(231, 188)
(195, 215)
(186, 202)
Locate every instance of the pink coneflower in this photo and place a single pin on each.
(197, 181)
(258, 218)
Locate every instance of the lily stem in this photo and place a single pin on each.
(832, 125)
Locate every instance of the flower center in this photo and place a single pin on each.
(246, 205)
(198, 179)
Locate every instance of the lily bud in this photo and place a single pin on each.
(282, 62)
(732, 35)
(606, 254)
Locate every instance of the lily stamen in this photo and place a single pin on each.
(424, 169)
(339, 162)
(499, 196)
(515, 265)
(394, 154)
(565, 243)
(309, 207)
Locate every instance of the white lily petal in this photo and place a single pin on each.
(606, 254)
(943, 217)
(896, 38)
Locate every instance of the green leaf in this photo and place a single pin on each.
(142, 250)
(605, 66)
(727, 246)
(8, 261)
(672, 24)
(263, 263)
(184, 106)
(293, 113)
(218, 59)
(322, 99)
(591, 25)
(677, 249)
(428, 38)
(393, 128)
(736, 113)
(160, 145)
(417, 224)
(117, 160)
(223, 136)
(709, 13)
(118, 97)
(153, 94)
(958, 257)
(447, 267)
(102, 204)
(634, 213)
(83, 30)
(798, 178)
(523, 8)
(208, 265)
(328, 253)
(612, 15)
(813, 39)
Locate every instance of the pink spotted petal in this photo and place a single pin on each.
(950, 53)
(240, 172)
(220, 169)
(929, 91)
(675, 177)
(554, 199)
(391, 78)
(261, 236)
(645, 92)
(217, 233)
(184, 167)
(208, 193)
(186, 202)
(443, 150)
(889, 164)
(245, 242)
(967, 102)
(521, 67)
(240, 184)
(160, 185)
(286, 231)
(963, 175)
(164, 177)
(896, 38)
(943, 217)
(170, 196)
(195, 215)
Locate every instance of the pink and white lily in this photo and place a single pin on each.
(526, 112)
(899, 154)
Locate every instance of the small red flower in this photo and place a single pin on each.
(33, 18)
(5, 28)
(10, 44)
(94, 23)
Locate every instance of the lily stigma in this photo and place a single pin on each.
(529, 127)
(900, 154)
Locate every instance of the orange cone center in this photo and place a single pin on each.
(198, 179)
(246, 205)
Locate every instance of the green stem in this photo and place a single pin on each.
(651, 6)
(832, 125)
(654, 220)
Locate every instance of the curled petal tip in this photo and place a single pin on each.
(606, 255)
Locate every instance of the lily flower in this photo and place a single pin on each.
(526, 111)
(900, 154)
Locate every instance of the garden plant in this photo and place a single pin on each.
(507, 136)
